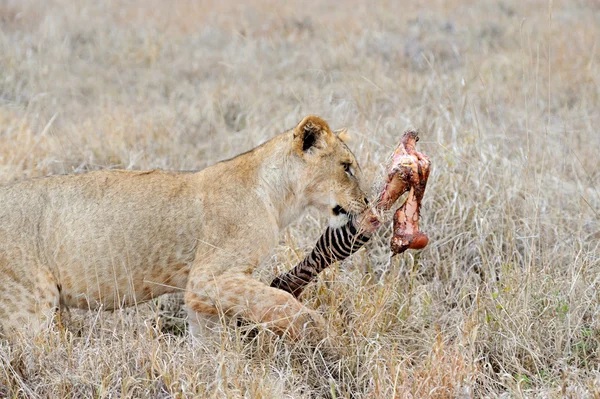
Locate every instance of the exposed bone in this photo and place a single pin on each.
(411, 168)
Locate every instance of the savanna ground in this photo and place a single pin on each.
(505, 301)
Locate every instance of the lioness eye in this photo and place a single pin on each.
(347, 168)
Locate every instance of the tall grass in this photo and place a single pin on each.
(505, 299)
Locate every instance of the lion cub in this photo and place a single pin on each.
(116, 237)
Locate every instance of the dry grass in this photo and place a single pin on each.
(504, 301)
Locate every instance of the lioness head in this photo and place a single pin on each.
(332, 177)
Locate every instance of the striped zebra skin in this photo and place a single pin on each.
(334, 245)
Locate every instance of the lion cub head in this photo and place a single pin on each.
(332, 177)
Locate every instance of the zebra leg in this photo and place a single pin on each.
(334, 245)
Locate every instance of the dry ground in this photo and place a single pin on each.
(505, 301)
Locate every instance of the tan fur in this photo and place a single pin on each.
(113, 238)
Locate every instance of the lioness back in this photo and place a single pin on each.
(107, 237)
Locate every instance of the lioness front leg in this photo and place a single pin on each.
(237, 294)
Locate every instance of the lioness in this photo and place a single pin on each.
(113, 238)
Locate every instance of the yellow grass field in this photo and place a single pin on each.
(505, 300)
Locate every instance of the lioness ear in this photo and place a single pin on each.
(343, 134)
(310, 134)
